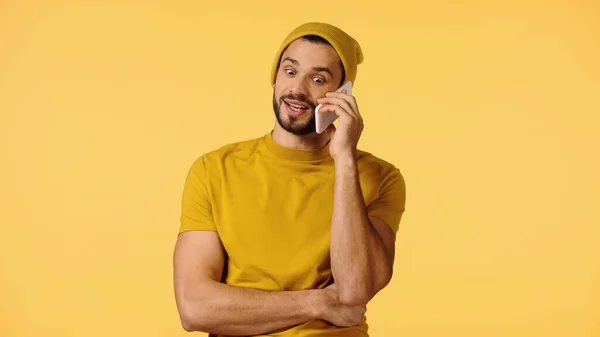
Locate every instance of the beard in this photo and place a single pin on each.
(292, 124)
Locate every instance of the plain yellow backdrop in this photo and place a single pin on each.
(490, 109)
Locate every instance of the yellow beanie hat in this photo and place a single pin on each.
(346, 47)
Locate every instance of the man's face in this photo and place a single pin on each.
(306, 72)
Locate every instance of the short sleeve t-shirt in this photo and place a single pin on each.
(272, 207)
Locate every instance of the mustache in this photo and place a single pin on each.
(303, 99)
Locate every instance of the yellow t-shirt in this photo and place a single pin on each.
(272, 207)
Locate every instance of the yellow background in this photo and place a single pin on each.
(490, 109)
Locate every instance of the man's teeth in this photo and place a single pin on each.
(297, 107)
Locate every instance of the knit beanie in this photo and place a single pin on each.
(346, 47)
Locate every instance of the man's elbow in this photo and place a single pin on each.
(362, 294)
(358, 295)
(354, 298)
(194, 320)
(190, 326)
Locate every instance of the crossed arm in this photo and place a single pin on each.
(207, 305)
(362, 248)
(362, 255)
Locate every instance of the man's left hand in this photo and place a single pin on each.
(344, 138)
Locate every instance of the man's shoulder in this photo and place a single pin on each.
(242, 149)
(372, 163)
(244, 146)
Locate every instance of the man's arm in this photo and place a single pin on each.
(205, 304)
(362, 247)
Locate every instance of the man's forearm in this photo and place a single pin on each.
(358, 257)
(224, 309)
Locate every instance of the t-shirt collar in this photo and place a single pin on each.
(295, 154)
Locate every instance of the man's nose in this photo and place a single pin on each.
(299, 86)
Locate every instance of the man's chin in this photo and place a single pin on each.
(298, 129)
(301, 126)
(302, 131)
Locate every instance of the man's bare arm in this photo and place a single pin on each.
(205, 304)
(362, 248)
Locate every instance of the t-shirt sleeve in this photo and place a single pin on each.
(389, 206)
(196, 208)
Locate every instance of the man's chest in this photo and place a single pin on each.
(275, 224)
(272, 213)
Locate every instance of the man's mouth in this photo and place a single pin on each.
(297, 105)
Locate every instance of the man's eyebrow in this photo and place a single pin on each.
(317, 69)
(295, 62)
(323, 69)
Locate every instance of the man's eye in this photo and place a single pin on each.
(319, 80)
(289, 71)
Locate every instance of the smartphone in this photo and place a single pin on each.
(324, 120)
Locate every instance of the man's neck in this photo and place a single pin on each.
(306, 142)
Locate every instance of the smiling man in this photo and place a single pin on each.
(299, 116)
(291, 233)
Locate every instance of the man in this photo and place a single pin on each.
(292, 233)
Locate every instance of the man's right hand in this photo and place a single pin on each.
(339, 314)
